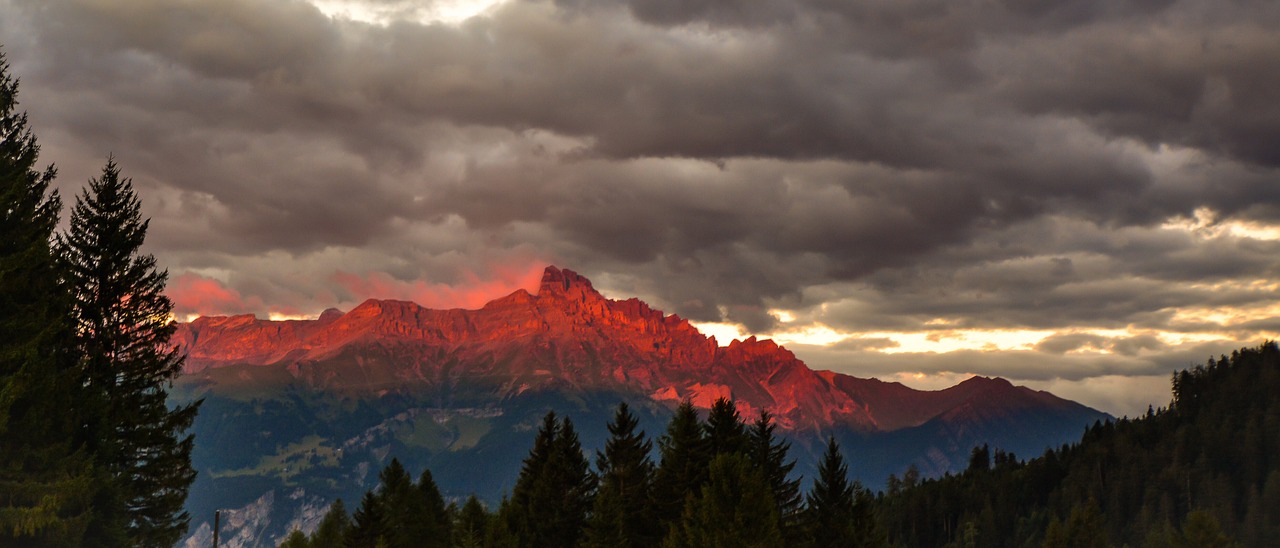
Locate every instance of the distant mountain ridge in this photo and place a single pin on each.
(298, 413)
(570, 337)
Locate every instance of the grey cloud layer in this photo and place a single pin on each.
(1000, 163)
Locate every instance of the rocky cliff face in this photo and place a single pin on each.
(568, 336)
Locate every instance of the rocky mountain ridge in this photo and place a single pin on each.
(568, 336)
(296, 414)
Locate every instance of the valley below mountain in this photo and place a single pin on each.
(298, 413)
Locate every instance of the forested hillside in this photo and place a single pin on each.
(1205, 468)
(1203, 472)
(715, 482)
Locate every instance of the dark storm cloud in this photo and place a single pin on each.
(870, 165)
(1103, 277)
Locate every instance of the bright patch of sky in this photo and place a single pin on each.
(450, 12)
(1204, 223)
(282, 317)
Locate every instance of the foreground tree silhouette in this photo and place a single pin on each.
(549, 504)
(623, 514)
(46, 481)
(368, 523)
(683, 468)
(122, 332)
(769, 455)
(296, 539)
(839, 512)
(333, 527)
(399, 514)
(473, 521)
(734, 508)
(431, 525)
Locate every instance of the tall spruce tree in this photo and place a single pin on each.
(769, 455)
(123, 330)
(433, 527)
(623, 514)
(831, 501)
(368, 524)
(839, 512)
(683, 467)
(46, 482)
(555, 489)
(402, 505)
(516, 513)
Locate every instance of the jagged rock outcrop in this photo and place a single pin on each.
(567, 336)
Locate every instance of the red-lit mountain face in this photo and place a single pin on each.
(569, 337)
(298, 413)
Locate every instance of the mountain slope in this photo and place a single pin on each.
(303, 410)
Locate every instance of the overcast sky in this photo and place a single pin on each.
(1078, 195)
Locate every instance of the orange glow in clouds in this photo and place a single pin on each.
(194, 295)
(471, 293)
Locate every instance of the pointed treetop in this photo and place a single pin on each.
(725, 431)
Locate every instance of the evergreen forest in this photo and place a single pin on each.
(1203, 472)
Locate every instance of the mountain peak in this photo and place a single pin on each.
(556, 281)
(567, 286)
(978, 381)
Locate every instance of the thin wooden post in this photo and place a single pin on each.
(217, 519)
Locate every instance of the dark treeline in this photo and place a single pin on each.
(90, 452)
(717, 482)
(1203, 472)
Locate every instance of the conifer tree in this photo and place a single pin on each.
(549, 503)
(515, 512)
(839, 512)
(401, 504)
(46, 482)
(979, 459)
(296, 539)
(473, 521)
(623, 513)
(333, 527)
(769, 455)
(499, 532)
(734, 508)
(368, 524)
(432, 527)
(725, 431)
(123, 330)
(683, 467)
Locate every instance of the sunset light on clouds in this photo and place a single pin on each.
(1081, 200)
